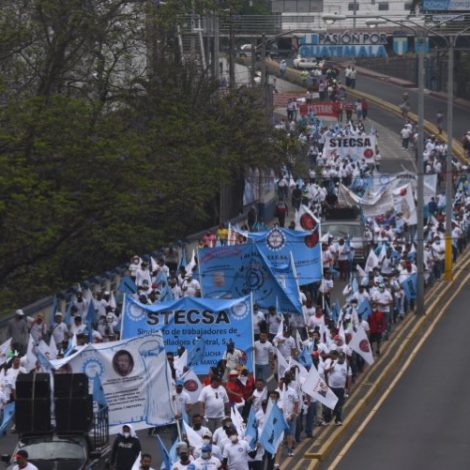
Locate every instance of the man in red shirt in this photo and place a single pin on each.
(376, 322)
(234, 388)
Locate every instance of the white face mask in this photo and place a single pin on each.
(126, 434)
(234, 438)
(206, 440)
(205, 455)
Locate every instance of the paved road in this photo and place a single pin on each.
(393, 93)
(424, 423)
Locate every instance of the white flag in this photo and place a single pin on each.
(190, 266)
(304, 219)
(153, 264)
(303, 372)
(316, 387)
(237, 421)
(30, 359)
(194, 439)
(192, 386)
(4, 348)
(180, 362)
(360, 344)
(282, 365)
(372, 261)
(136, 465)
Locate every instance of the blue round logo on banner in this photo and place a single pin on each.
(92, 368)
(135, 313)
(276, 240)
(240, 311)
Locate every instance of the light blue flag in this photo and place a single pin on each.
(172, 453)
(8, 413)
(166, 459)
(166, 293)
(127, 285)
(354, 285)
(364, 309)
(196, 353)
(410, 285)
(273, 430)
(90, 319)
(98, 392)
(43, 361)
(183, 260)
(251, 432)
(68, 314)
(53, 311)
(305, 358)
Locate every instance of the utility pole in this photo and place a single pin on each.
(449, 182)
(216, 55)
(231, 63)
(253, 64)
(420, 37)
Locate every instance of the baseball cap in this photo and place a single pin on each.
(20, 312)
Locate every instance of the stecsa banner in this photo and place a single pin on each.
(184, 321)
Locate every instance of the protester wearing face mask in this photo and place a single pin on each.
(207, 461)
(126, 449)
(235, 452)
(197, 425)
(185, 458)
(216, 451)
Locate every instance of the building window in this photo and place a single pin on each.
(383, 6)
(408, 6)
(353, 6)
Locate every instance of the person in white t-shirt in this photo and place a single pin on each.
(339, 378)
(285, 344)
(232, 357)
(236, 453)
(197, 425)
(264, 353)
(190, 287)
(59, 329)
(181, 400)
(213, 402)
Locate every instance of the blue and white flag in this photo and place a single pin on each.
(196, 353)
(364, 309)
(165, 455)
(273, 430)
(185, 320)
(251, 431)
(305, 358)
(277, 244)
(127, 285)
(410, 285)
(238, 270)
(98, 392)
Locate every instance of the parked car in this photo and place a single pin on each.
(307, 63)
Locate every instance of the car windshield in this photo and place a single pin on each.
(340, 230)
(52, 450)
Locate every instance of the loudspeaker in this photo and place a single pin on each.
(74, 414)
(33, 416)
(70, 385)
(33, 386)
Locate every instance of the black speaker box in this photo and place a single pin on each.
(33, 416)
(33, 386)
(74, 414)
(70, 385)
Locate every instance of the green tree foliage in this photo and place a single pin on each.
(108, 145)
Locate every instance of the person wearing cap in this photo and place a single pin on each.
(18, 331)
(213, 403)
(234, 388)
(126, 448)
(22, 463)
(206, 461)
(59, 328)
(181, 404)
(185, 458)
(207, 440)
(190, 287)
